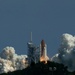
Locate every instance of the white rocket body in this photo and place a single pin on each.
(43, 52)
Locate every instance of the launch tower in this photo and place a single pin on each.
(33, 52)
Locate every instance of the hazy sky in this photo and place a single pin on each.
(47, 19)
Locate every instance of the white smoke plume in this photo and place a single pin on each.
(10, 61)
(66, 54)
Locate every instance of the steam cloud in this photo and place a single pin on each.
(66, 53)
(10, 61)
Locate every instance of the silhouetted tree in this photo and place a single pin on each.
(51, 68)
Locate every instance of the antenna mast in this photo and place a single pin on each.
(31, 37)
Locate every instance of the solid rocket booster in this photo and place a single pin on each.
(43, 51)
(43, 48)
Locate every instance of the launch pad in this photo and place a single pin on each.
(36, 54)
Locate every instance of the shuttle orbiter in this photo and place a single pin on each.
(43, 52)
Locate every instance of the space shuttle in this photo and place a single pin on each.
(43, 52)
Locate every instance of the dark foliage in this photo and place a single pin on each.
(51, 68)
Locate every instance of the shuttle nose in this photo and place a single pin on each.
(43, 43)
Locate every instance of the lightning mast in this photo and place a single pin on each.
(31, 37)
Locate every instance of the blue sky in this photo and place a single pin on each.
(46, 19)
